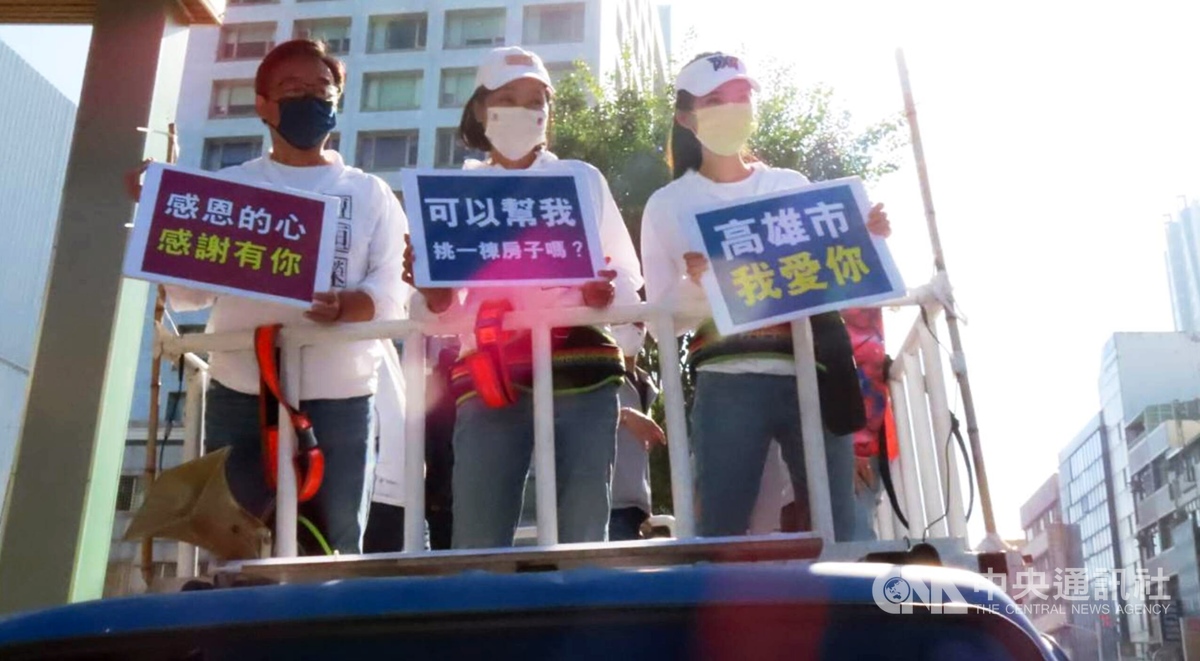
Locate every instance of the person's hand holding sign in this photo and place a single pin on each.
(599, 294)
(437, 299)
(348, 305)
(877, 224)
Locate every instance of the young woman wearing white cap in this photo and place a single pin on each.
(746, 386)
(507, 118)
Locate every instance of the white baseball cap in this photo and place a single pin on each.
(710, 72)
(501, 66)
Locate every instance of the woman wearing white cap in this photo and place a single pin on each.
(746, 386)
(507, 119)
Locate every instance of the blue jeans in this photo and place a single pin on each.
(344, 429)
(734, 419)
(492, 453)
(866, 507)
(625, 524)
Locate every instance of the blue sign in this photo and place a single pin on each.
(496, 227)
(781, 257)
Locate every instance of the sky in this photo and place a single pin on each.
(1058, 136)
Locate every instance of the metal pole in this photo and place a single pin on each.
(543, 439)
(286, 504)
(931, 486)
(939, 409)
(193, 441)
(909, 477)
(958, 359)
(678, 451)
(414, 442)
(812, 431)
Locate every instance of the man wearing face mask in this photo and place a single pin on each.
(297, 87)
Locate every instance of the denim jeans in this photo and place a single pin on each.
(492, 452)
(625, 524)
(344, 429)
(734, 419)
(867, 506)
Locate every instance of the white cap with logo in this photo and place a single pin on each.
(712, 71)
(501, 66)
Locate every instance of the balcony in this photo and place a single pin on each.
(1181, 557)
(1148, 511)
(1150, 446)
(1038, 546)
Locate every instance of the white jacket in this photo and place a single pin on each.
(664, 242)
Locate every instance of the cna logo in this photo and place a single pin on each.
(897, 594)
(724, 62)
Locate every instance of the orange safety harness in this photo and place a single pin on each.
(488, 365)
(309, 461)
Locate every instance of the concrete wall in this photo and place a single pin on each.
(36, 123)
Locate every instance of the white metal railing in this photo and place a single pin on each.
(916, 382)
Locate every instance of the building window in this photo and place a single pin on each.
(232, 98)
(451, 152)
(387, 150)
(394, 90)
(554, 24)
(334, 143)
(246, 41)
(400, 32)
(220, 153)
(335, 32)
(474, 28)
(127, 492)
(458, 85)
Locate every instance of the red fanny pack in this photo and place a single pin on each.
(488, 365)
(309, 461)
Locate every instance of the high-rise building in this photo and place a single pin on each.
(411, 69)
(1139, 370)
(1183, 267)
(36, 122)
(1086, 494)
(1053, 548)
(1164, 454)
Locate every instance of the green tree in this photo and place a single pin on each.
(622, 130)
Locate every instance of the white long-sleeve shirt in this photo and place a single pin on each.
(369, 259)
(614, 241)
(665, 241)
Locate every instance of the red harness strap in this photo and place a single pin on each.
(310, 462)
(488, 365)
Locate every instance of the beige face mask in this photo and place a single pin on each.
(725, 129)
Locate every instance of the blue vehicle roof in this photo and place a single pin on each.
(480, 592)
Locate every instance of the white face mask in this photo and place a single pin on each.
(514, 132)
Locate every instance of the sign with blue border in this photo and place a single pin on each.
(481, 228)
(784, 256)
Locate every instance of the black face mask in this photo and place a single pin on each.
(305, 121)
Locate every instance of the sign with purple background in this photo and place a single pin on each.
(203, 231)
